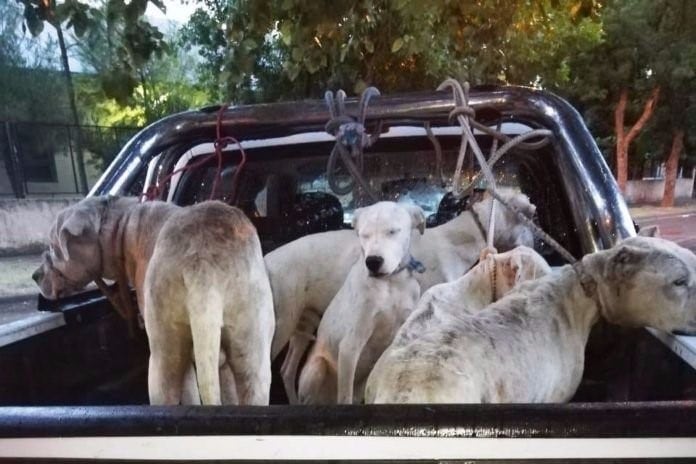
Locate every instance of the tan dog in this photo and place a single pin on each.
(199, 279)
(307, 273)
(529, 346)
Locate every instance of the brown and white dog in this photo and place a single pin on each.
(529, 346)
(200, 282)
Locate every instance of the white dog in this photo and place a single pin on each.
(492, 278)
(529, 346)
(377, 296)
(200, 282)
(306, 274)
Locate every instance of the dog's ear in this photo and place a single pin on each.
(77, 224)
(417, 217)
(625, 261)
(650, 231)
(356, 216)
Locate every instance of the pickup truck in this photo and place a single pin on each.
(73, 385)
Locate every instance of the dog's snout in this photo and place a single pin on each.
(37, 275)
(373, 263)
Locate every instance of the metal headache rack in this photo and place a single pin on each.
(580, 163)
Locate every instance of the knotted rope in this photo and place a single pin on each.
(465, 115)
(350, 135)
(153, 191)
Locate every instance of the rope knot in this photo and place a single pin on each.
(350, 133)
(353, 135)
(461, 110)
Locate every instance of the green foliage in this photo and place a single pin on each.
(259, 50)
(646, 43)
(162, 85)
(28, 79)
(115, 22)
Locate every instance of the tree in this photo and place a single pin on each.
(167, 85)
(613, 81)
(138, 88)
(27, 73)
(623, 138)
(78, 16)
(674, 66)
(258, 50)
(643, 71)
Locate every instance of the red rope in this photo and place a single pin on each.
(221, 142)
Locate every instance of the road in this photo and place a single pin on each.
(680, 228)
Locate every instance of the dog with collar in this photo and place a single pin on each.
(307, 273)
(529, 346)
(376, 297)
(200, 282)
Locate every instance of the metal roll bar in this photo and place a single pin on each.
(588, 182)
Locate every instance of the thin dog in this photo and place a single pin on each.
(200, 282)
(529, 346)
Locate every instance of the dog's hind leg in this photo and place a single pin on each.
(189, 393)
(205, 317)
(170, 349)
(317, 383)
(250, 366)
(228, 386)
(170, 357)
(297, 347)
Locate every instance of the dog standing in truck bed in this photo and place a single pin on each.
(376, 297)
(200, 282)
(529, 346)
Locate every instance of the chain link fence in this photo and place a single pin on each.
(52, 159)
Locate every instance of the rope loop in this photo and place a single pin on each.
(351, 140)
(464, 115)
(153, 191)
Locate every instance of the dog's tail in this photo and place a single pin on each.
(206, 331)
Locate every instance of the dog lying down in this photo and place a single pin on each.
(200, 282)
(529, 346)
(375, 299)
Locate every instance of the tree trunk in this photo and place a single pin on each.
(623, 138)
(73, 107)
(671, 167)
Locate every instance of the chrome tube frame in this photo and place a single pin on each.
(600, 214)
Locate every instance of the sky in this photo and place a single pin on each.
(177, 11)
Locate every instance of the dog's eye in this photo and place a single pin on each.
(681, 282)
(392, 231)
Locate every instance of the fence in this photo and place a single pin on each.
(51, 159)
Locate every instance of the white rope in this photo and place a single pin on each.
(464, 115)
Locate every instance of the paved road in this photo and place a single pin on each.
(680, 228)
